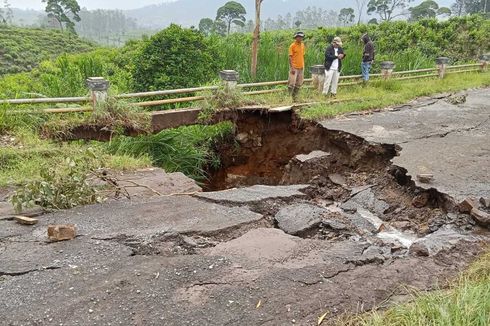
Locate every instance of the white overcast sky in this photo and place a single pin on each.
(91, 4)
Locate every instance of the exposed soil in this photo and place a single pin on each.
(273, 149)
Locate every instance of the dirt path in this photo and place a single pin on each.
(339, 224)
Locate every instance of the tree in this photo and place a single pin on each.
(463, 7)
(206, 26)
(360, 5)
(63, 11)
(232, 13)
(6, 13)
(297, 24)
(175, 57)
(346, 16)
(387, 9)
(427, 9)
(256, 39)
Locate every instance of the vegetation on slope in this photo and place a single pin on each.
(22, 49)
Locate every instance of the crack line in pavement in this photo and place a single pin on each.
(442, 135)
(29, 271)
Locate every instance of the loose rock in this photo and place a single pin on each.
(485, 202)
(467, 205)
(421, 200)
(26, 220)
(61, 232)
(480, 217)
(425, 178)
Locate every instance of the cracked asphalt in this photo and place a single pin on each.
(449, 141)
(217, 259)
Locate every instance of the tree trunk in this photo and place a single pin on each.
(256, 40)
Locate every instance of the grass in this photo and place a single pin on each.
(465, 303)
(186, 149)
(378, 94)
(24, 162)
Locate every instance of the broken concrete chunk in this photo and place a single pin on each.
(298, 218)
(480, 217)
(467, 205)
(25, 220)
(254, 194)
(337, 179)
(437, 241)
(366, 199)
(366, 221)
(421, 200)
(311, 156)
(425, 178)
(335, 225)
(61, 232)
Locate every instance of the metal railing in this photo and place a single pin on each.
(271, 87)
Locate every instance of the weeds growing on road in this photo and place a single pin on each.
(465, 302)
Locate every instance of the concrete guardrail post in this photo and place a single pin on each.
(442, 63)
(230, 78)
(98, 90)
(318, 77)
(484, 62)
(387, 69)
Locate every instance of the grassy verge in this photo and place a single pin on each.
(379, 94)
(24, 155)
(466, 302)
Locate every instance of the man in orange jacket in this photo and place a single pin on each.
(296, 65)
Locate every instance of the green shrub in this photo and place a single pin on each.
(175, 58)
(61, 187)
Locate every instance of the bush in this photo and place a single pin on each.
(175, 58)
(60, 187)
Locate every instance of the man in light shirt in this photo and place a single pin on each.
(334, 54)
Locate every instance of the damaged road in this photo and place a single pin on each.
(303, 219)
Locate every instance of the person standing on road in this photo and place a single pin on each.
(296, 65)
(367, 57)
(334, 54)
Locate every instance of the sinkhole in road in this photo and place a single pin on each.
(275, 148)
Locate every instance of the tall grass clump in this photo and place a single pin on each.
(189, 150)
(465, 302)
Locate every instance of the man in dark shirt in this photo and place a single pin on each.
(367, 57)
(334, 54)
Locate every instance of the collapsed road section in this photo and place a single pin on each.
(301, 219)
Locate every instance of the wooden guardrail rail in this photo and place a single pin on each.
(98, 86)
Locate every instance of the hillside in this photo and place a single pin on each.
(22, 49)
